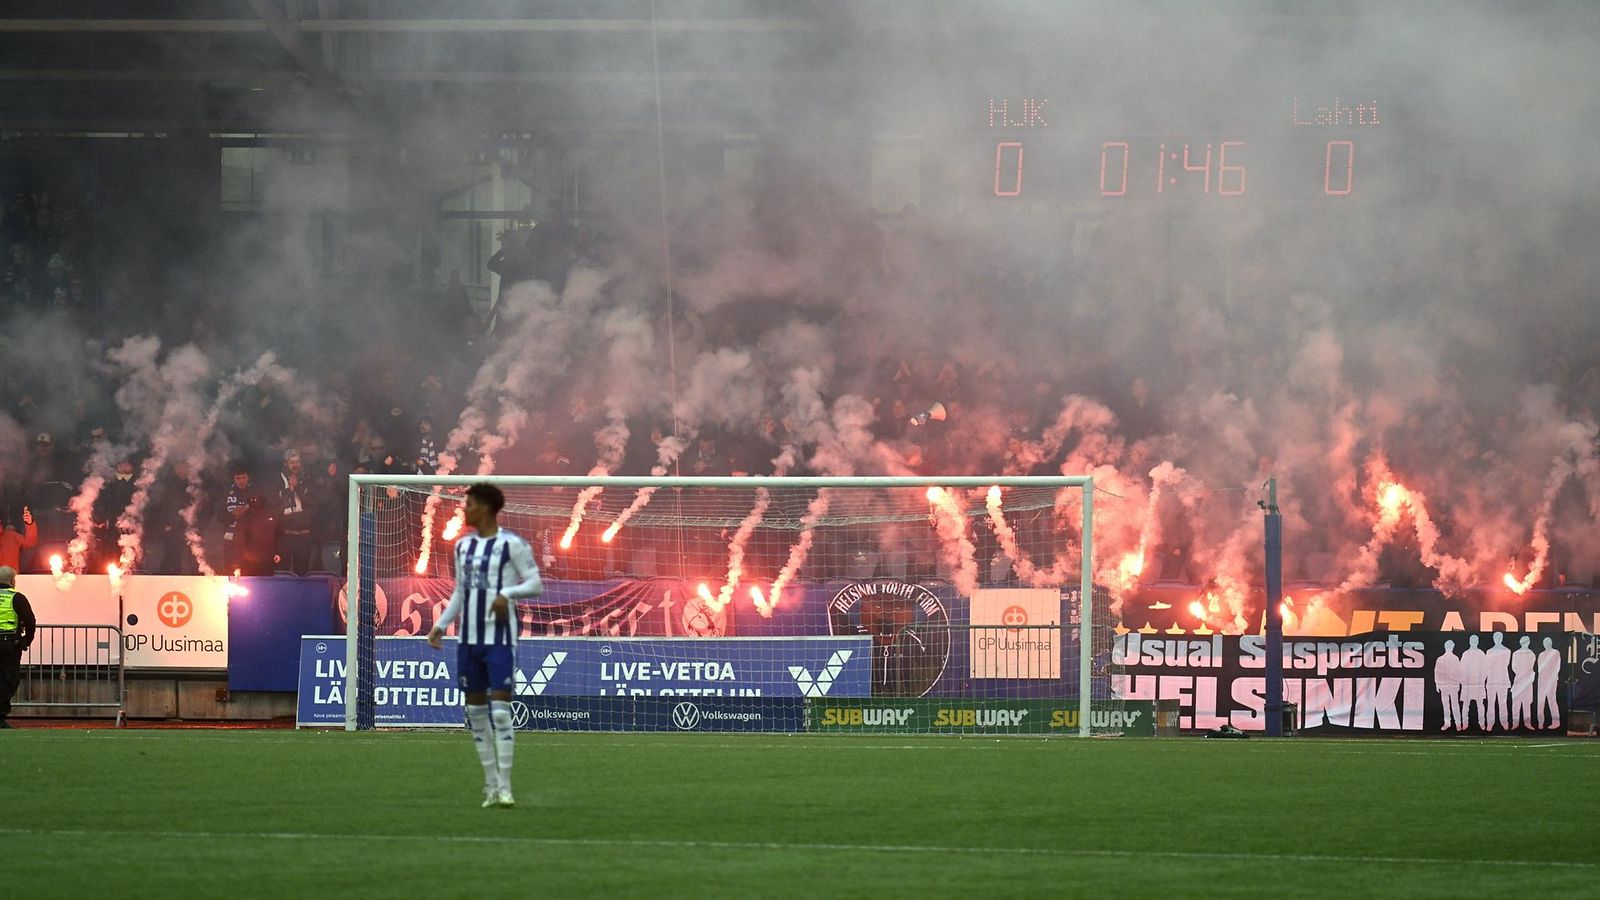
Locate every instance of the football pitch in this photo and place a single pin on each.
(178, 813)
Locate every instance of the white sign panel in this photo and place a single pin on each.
(1016, 633)
(168, 621)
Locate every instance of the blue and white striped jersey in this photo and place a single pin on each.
(501, 564)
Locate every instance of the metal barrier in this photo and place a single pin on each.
(74, 667)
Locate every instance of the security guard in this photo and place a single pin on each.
(16, 633)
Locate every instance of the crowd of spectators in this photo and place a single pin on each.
(40, 235)
(275, 499)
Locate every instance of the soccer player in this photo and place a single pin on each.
(493, 568)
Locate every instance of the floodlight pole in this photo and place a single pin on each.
(1274, 616)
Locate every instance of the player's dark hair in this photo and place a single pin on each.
(489, 496)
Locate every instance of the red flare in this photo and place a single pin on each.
(611, 532)
(703, 590)
(761, 603)
(1392, 497)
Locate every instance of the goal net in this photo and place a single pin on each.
(941, 605)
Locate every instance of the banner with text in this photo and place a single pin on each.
(922, 716)
(1316, 610)
(1016, 633)
(752, 714)
(1416, 682)
(168, 622)
(620, 607)
(417, 685)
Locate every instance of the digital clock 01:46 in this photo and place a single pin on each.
(1222, 166)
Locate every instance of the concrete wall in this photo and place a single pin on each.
(187, 697)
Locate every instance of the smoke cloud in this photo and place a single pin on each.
(1397, 306)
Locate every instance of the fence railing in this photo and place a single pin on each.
(74, 667)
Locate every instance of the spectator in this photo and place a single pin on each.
(294, 523)
(329, 517)
(427, 455)
(166, 550)
(108, 506)
(56, 291)
(48, 496)
(707, 458)
(233, 506)
(95, 441)
(516, 260)
(256, 536)
(361, 438)
(21, 276)
(42, 465)
(377, 458)
(13, 541)
(457, 306)
(429, 401)
(11, 496)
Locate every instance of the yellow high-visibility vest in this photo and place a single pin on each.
(8, 611)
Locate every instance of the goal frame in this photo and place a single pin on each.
(353, 557)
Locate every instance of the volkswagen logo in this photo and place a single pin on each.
(519, 714)
(686, 716)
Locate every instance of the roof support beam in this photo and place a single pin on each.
(289, 37)
(326, 25)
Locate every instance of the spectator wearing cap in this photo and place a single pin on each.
(294, 517)
(234, 503)
(42, 465)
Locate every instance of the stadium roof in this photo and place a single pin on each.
(185, 66)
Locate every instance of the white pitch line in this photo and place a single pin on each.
(1341, 746)
(434, 839)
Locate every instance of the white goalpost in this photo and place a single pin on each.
(956, 605)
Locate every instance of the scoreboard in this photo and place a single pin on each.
(1303, 150)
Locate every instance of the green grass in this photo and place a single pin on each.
(165, 813)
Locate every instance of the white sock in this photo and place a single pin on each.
(505, 736)
(483, 740)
